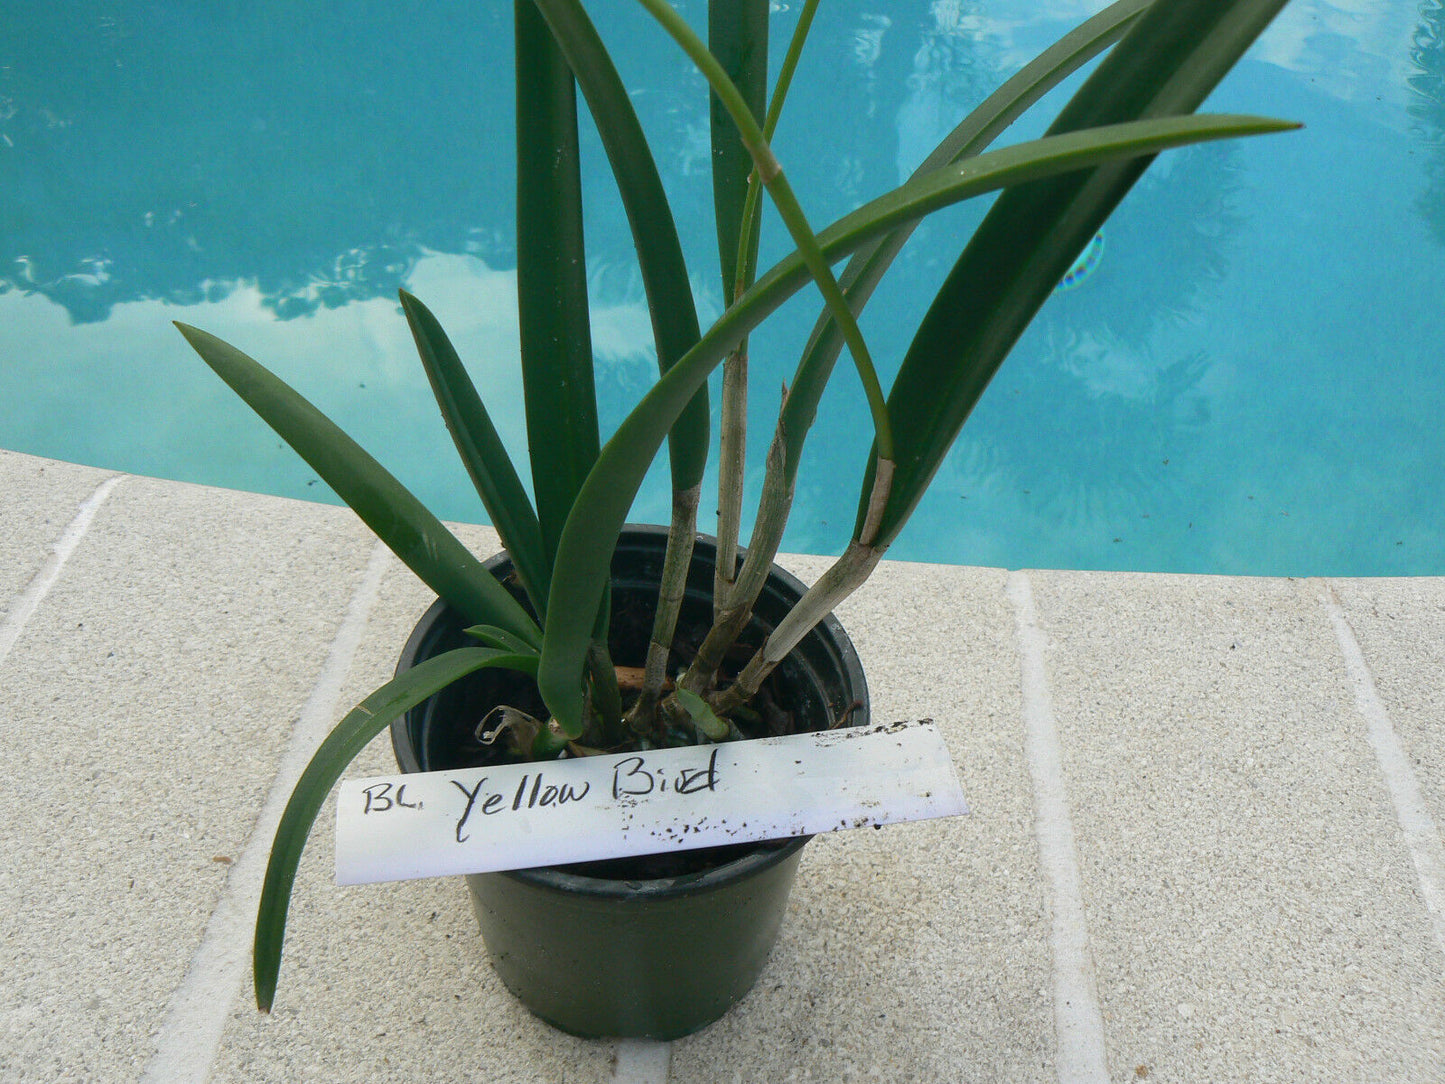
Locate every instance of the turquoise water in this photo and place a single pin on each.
(1245, 379)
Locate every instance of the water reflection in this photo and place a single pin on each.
(1111, 382)
(166, 149)
(955, 65)
(1168, 245)
(1352, 50)
(1253, 360)
(1427, 107)
(131, 393)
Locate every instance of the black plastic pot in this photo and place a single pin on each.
(628, 948)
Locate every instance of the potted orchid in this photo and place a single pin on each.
(586, 637)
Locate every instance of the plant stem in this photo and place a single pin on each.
(733, 605)
(606, 696)
(770, 172)
(773, 510)
(732, 453)
(731, 611)
(877, 500)
(845, 576)
(731, 469)
(673, 586)
(738, 37)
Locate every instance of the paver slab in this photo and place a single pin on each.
(1252, 909)
(144, 707)
(1251, 903)
(42, 496)
(915, 952)
(1400, 627)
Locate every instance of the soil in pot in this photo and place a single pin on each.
(820, 686)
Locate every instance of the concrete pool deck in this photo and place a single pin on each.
(1205, 841)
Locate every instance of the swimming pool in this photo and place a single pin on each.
(1243, 378)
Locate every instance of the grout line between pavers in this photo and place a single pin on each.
(1422, 835)
(1081, 1057)
(638, 1061)
(50, 569)
(190, 1036)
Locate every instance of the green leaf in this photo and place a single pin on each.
(1010, 167)
(738, 37)
(1167, 63)
(748, 242)
(786, 203)
(660, 263)
(482, 451)
(703, 717)
(492, 636)
(384, 504)
(971, 137)
(654, 232)
(552, 308)
(584, 554)
(350, 736)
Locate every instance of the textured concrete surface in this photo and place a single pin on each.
(1252, 886)
(41, 498)
(923, 946)
(390, 981)
(144, 704)
(1402, 632)
(1250, 901)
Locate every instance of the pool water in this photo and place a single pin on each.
(1243, 375)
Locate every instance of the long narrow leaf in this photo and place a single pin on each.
(660, 263)
(971, 137)
(350, 736)
(552, 307)
(654, 233)
(482, 451)
(1170, 60)
(738, 36)
(785, 200)
(581, 571)
(492, 636)
(384, 504)
(868, 266)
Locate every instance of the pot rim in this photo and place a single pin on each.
(550, 878)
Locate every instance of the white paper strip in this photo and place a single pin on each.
(477, 820)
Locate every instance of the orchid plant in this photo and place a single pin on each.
(1162, 60)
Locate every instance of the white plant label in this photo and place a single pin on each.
(478, 820)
